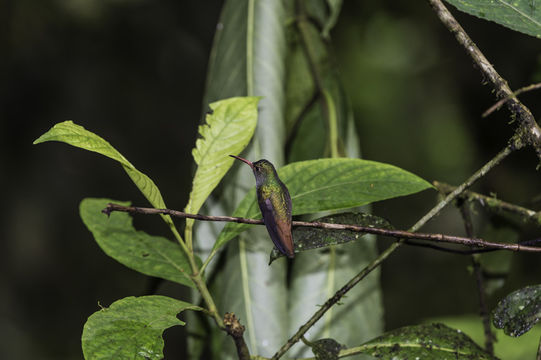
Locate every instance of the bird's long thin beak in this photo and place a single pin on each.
(243, 160)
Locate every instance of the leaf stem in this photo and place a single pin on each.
(400, 234)
(538, 357)
(479, 279)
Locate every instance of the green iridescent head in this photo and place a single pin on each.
(262, 169)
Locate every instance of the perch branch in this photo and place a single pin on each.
(529, 133)
(479, 279)
(400, 234)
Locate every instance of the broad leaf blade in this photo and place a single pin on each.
(150, 255)
(332, 184)
(434, 341)
(78, 136)
(131, 328)
(519, 15)
(519, 311)
(228, 130)
(307, 238)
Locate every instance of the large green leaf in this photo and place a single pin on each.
(519, 15)
(150, 255)
(131, 328)
(519, 311)
(434, 341)
(332, 184)
(228, 130)
(505, 347)
(78, 136)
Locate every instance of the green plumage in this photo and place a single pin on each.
(275, 204)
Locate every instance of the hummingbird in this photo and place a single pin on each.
(275, 204)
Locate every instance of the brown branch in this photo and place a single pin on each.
(495, 205)
(480, 281)
(502, 101)
(400, 234)
(236, 331)
(529, 132)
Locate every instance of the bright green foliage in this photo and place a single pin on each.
(307, 238)
(519, 15)
(150, 255)
(131, 328)
(434, 341)
(228, 131)
(78, 136)
(332, 184)
(519, 311)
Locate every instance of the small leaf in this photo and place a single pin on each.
(519, 15)
(326, 349)
(78, 136)
(228, 130)
(131, 328)
(434, 341)
(331, 184)
(519, 311)
(150, 255)
(307, 238)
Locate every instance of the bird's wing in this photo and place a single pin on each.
(278, 222)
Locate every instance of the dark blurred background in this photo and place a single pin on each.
(133, 71)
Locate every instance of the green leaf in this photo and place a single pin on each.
(434, 341)
(326, 349)
(519, 15)
(150, 255)
(331, 184)
(131, 328)
(505, 347)
(78, 136)
(519, 311)
(307, 238)
(228, 130)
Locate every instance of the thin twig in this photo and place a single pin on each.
(400, 234)
(502, 101)
(495, 205)
(530, 132)
(480, 281)
(384, 255)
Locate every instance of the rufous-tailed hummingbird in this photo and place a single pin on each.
(274, 203)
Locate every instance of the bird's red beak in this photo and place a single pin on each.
(243, 160)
